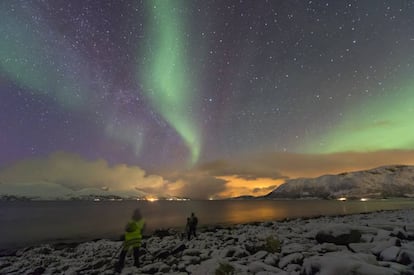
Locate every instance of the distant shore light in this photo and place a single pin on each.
(152, 199)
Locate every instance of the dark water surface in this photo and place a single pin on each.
(33, 222)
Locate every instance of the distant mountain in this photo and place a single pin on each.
(44, 190)
(387, 181)
(245, 197)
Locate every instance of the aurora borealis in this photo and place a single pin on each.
(382, 124)
(168, 82)
(212, 98)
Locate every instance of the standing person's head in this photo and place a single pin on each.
(137, 215)
(192, 214)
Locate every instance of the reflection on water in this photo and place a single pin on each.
(239, 212)
(34, 222)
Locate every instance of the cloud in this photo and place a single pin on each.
(73, 172)
(197, 186)
(241, 168)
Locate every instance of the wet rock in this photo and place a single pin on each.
(227, 252)
(271, 259)
(192, 252)
(406, 257)
(401, 269)
(327, 247)
(399, 233)
(259, 255)
(99, 263)
(339, 234)
(382, 245)
(382, 235)
(292, 248)
(344, 263)
(293, 268)
(295, 258)
(260, 266)
(38, 271)
(154, 268)
(390, 254)
(178, 248)
(162, 254)
(362, 247)
(191, 259)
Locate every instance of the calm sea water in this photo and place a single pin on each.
(27, 223)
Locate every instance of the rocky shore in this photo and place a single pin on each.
(372, 243)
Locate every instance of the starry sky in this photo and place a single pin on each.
(205, 96)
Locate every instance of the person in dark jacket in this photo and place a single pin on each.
(192, 225)
(132, 239)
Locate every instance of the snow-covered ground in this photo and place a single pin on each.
(374, 243)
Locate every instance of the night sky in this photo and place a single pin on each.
(207, 92)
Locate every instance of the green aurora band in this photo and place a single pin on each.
(385, 123)
(33, 57)
(165, 74)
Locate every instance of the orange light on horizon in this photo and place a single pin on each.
(237, 186)
(152, 199)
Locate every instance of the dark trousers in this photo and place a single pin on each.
(191, 231)
(122, 256)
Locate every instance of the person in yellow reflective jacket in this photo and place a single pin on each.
(132, 239)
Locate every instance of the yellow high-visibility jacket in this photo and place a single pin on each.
(133, 235)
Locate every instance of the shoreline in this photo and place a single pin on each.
(9, 251)
(291, 246)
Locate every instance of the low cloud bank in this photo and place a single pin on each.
(70, 171)
(259, 174)
(67, 173)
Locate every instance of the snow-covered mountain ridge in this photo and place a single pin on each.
(52, 191)
(386, 181)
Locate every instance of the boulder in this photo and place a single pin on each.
(259, 255)
(192, 252)
(211, 266)
(292, 248)
(155, 267)
(344, 263)
(227, 252)
(38, 271)
(258, 266)
(178, 248)
(406, 257)
(362, 247)
(295, 258)
(400, 233)
(401, 269)
(327, 247)
(382, 245)
(191, 259)
(161, 254)
(390, 254)
(293, 268)
(271, 259)
(340, 234)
